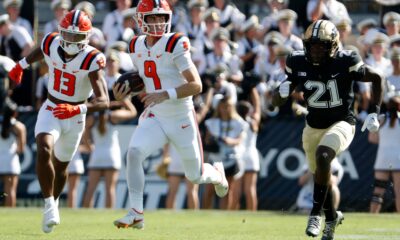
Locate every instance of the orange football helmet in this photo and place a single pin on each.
(74, 30)
(147, 8)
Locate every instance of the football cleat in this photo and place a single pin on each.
(329, 230)
(51, 217)
(222, 188)
(133, 219)
(313, 225)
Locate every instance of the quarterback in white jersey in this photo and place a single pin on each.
(171, 79)
(74, 74)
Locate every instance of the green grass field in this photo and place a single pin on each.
(25, 223)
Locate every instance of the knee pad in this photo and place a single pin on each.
(324, 158)
(136, 153)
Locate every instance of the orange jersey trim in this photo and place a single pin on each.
(89, 59)
(132, 45)
(47, 42)
(172, 42)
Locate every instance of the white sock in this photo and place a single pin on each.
(49, 201)
(135, 180)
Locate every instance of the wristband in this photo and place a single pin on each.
(83, 108)
(23, 63)
(172, 94)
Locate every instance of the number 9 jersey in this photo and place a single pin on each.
(69, 78)
(160, 67)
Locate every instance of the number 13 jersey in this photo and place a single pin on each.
(160, 67)
(69, 79)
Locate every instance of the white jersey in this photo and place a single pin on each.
(160, 67)
(69, 80)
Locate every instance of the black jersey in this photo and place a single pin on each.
(328, 90)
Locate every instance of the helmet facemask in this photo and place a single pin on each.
(319, 52)
(72, 42)
(156, 29)
(321, 42)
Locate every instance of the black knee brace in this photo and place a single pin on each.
(381, 183)
(377, 198)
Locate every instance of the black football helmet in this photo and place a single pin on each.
(321, 42)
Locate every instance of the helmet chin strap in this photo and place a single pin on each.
(71, 49)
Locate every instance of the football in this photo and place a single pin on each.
(132, 80)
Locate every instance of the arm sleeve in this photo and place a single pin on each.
(181, 54)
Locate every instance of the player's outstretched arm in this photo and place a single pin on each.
(101, 101)
(16, 72)
(378, 84)
(371, 122)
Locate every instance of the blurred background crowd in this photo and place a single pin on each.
(239, 48)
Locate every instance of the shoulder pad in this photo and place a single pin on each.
(172, 41)
(47, 41)
(89, 58)
(132, 44)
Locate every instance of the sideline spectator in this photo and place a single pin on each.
(387, 163)
(113, 23)
(60, 8)
(12, 144)
(75, 170)
(13, 8)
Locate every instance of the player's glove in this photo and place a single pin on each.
(284, 89)
(371, 123)
(65, 111)
(16, 73)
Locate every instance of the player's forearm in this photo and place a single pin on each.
(192, 87)
(34, 56)
(188, 89)
(98, 104)
(377, 91)
(378, 84)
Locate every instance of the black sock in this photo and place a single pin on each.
(329, 209)
(319, 198)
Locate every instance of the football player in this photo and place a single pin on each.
(171, 79)
(326, 76)
(74, 74)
